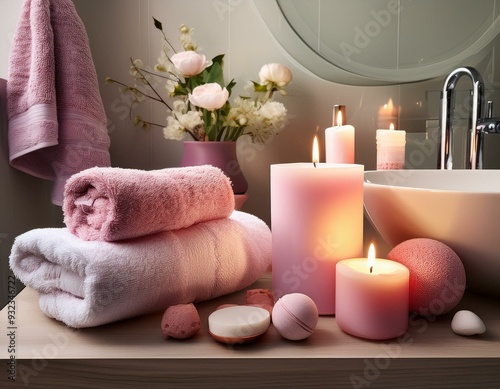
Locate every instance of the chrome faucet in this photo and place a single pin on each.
(447, 103)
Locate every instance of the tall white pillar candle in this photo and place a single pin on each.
(339, 140)
(316, 221)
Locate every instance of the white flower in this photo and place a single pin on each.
(274, 113)
(173, 130)
(189, 63)
(170, 86)
(210, 96)
(180, 106)
(164, 64)
(191, 120)
(275, 73)
(134, 90)
(241, 114)
(186, 38)
(137, 64)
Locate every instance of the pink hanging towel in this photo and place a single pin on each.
(57, 123)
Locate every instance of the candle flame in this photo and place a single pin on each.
(371, 257)
(339, 118)
(391, 127)
(315, 152)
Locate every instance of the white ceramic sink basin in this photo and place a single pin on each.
(460, 208)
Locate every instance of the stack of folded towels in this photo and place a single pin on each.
(139, 241)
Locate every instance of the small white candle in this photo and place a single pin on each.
(372, 297)
(391, 148)
(316, 220)
(339, 142)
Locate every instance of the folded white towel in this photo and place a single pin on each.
(89, 283)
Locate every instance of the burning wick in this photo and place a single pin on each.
(371, 257)
(315, 153)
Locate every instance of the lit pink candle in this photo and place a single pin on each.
(372, 297)
(339, 142)
(316, 221)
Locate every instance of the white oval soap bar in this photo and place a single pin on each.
(238, 323)
(467, 323)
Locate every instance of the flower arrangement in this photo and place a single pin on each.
(201, 106)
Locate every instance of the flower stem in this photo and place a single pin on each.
(160, 99)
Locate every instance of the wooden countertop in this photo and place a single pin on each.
(132, 352)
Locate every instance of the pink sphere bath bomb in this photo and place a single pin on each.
(437, 275)
(180, 321)
(295, 316)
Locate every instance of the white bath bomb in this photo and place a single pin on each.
(437, 275)
(467, 323)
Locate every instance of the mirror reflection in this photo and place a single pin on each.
(383, 41)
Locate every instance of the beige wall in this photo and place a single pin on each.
(124, 28)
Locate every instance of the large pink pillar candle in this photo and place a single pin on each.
(316, 220)
(372, 304)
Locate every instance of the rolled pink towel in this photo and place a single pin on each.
(110, 204)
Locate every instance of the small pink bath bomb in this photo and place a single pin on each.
(260, 296)
(180, 321)
(437, 275)
(295, 316)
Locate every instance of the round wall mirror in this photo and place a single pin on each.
(382, 42)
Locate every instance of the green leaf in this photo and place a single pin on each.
(215, 74)
(229, 86)
(258, 87)
(218, 59)
(158, 24)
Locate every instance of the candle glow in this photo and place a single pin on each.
(339, 118)
(387, 113)
(371, 257)
(315, 151)
(391, 127)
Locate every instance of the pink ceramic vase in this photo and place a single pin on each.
(218, 154)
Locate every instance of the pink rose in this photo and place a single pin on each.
(189, 63)
(209, 96)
